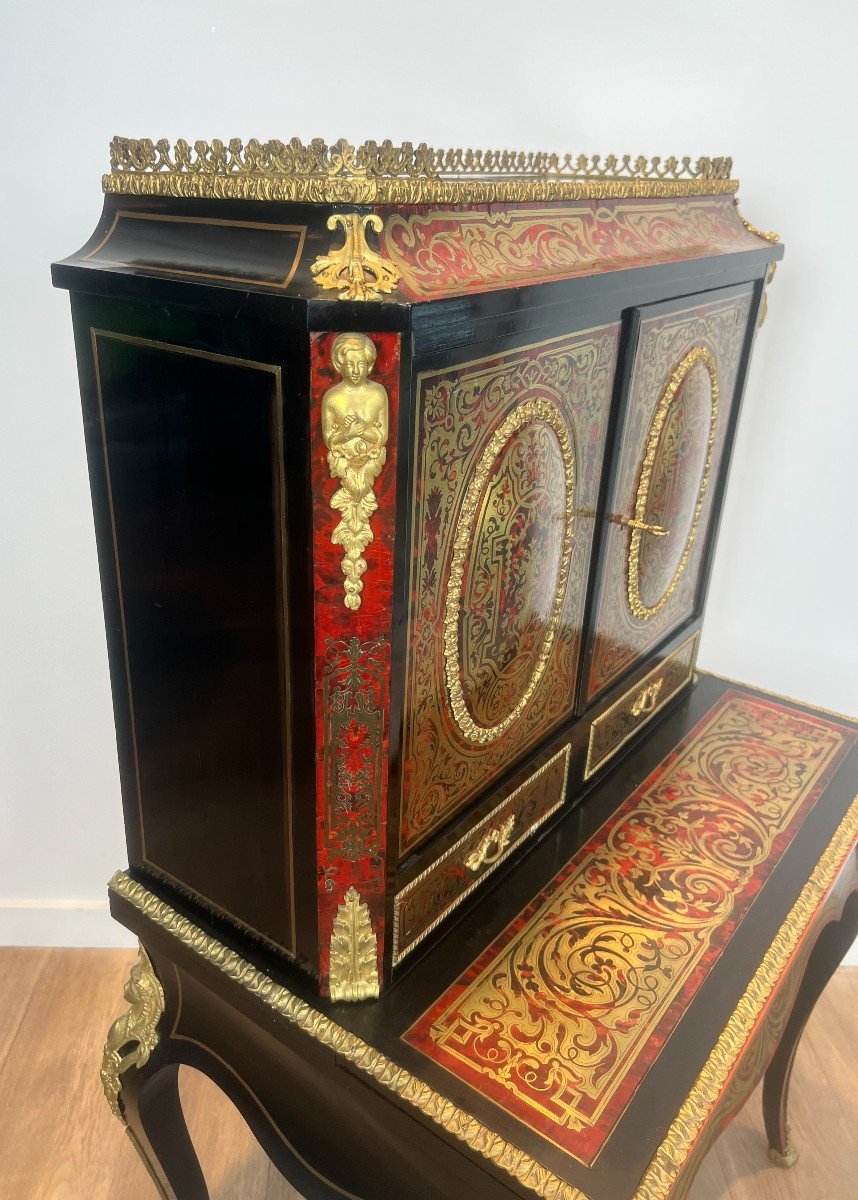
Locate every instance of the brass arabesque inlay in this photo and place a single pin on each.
(354, 428)
(354, 268)
(555, 1019)
(133, 1036)
(695, 356)
(536, 410)
(382, 173)
(354, 953)
(671, 1155)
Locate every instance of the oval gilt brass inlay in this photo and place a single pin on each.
(673, 481)
(509, 570)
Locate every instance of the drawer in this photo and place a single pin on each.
(622, 720)
(434, 893)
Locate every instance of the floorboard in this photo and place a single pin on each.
(58, 1140)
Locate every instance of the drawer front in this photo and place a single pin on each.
(429, 898)
(507, 462)
(617, 724)
(680, 397)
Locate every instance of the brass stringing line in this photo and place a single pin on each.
(673, 1151)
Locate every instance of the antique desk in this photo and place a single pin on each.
(446, 865)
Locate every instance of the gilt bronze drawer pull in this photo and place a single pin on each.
(646, 700)
(492, 846)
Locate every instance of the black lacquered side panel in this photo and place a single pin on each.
(192, 450)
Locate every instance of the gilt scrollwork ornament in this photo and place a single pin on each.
(133, 1036)
(358, 271)
(697, 356)
(354, 428)
(354, 955)
(384, 173)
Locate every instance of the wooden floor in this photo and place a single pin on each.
(58, 1140)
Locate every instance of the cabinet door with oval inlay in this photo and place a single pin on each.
(679, 401)
(507, 459)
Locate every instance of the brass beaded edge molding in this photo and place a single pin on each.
(382, 173)
(767, 236)
(525, 414)
(699, 354)
(828, 712)
(671, 1155)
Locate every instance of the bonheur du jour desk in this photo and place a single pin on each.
(446, 864)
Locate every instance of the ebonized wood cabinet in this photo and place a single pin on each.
(407, 469)
(369, 655)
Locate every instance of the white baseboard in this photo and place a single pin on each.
(60, 923)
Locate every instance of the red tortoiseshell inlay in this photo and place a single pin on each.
(560, 1018)
(352, 654)
(447, 251)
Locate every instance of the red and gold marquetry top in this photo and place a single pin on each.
(560, 1018)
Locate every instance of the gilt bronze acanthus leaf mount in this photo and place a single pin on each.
(356, 269)
(354, 954)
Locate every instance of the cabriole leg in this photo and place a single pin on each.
(142, 1089)
(824, 960)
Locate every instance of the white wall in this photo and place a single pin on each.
(765, 82)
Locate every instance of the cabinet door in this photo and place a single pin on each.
(508, 453)
(681, 391)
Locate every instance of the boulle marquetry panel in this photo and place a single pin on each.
(443, 252)
(559, 1018)
(508, 451)
(680, 398)
(354, 394)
